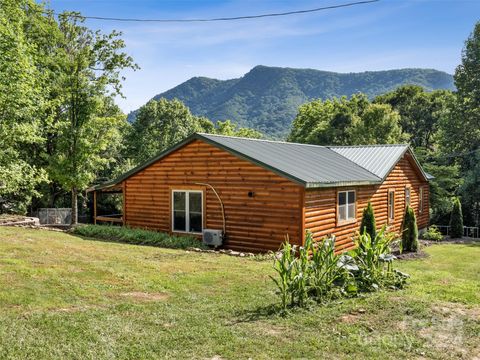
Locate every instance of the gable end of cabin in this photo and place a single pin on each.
(338, 210)
(174, 195)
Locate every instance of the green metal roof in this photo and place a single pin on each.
(378, 159)
(312, 166)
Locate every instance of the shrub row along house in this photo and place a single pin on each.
(259, 191)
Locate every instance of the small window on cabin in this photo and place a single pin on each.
(346, 205)
(407, 196)
(420, 200)
(187, 211)
(391, 205)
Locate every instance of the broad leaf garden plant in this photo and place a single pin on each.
(315, 273)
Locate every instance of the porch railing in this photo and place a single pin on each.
(468, 231)
(114, 218)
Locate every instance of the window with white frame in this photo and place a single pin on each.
(346, 205)
(420, 199)
(407, 196)
(187, 211)
(391, 205)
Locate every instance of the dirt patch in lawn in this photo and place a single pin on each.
(275, 330)
(261, 328)
(445, 330)
(457, 309)
(145, 296)
(352, 317)
(349, 318)
(73, 309)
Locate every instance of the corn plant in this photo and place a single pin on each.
(301, 280)
(316, 272)
(326, 270)
(284, 266)
(367, 255)
(312, 272)
(375, 262)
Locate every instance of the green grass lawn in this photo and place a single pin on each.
(66, 297)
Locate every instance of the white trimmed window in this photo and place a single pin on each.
(187, 211)
(420, 200)
(408, 196)
(346, 206)
(391, 205)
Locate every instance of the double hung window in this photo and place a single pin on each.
(346, 206)
(187, 211)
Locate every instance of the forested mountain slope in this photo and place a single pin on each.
(267, 98)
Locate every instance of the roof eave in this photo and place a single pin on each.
(104, 186)
(144, 165)
(426, 176)
(301, 182)
(316, 185)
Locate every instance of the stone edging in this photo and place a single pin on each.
(25, 222)
(222, 251)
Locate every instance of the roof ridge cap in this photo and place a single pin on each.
(297, 143)
(366, 146)
(261, 140)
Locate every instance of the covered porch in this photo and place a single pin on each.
(100, 215)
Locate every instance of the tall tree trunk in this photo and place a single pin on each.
(74, 207)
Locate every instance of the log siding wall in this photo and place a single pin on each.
(320, 204)
(255, 223)
(278, 207)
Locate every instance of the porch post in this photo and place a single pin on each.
(95, 207)
(124, 204)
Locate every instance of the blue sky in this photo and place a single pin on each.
(385, 35)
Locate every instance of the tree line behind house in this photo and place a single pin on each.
(62, 132)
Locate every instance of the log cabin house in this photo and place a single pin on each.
(259, 191)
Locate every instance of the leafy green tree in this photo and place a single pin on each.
(326, 122)
(20, 92)
(420, 112)
(421, 115)
(91, 65)
(368, 224)
(445, 185)
(378, 124)
(466, 134)
(460, 132)
(467, 82)
(456, 220)
(230, 129)
(470, 191)
(409, 231)
(160, 124)
(346, 122)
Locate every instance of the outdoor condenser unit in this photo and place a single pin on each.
(212, 237)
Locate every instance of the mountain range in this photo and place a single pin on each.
(267, 98)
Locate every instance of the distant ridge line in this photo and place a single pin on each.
(267, 98)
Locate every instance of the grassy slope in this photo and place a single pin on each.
(65, 297)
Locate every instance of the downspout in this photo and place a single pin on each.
(221, 204)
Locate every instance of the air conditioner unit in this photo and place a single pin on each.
(212, 237)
